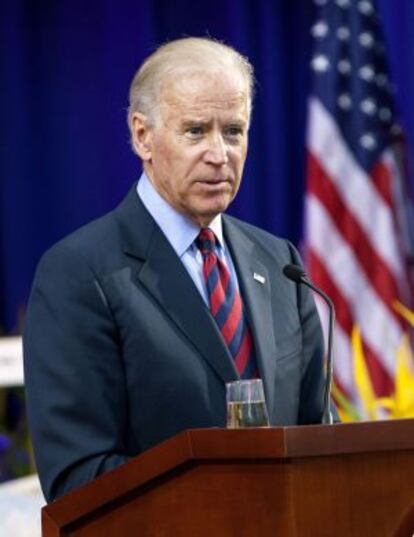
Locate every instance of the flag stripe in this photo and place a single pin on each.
(375, 269)
(382, 333)
(327, 145)
(381, 178)
(382, 379)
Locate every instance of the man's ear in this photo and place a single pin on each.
(141, 136)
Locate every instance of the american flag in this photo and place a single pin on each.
(357, 237)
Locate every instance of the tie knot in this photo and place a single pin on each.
(206, 241)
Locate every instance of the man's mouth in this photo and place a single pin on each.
(214, 180)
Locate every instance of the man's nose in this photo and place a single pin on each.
(216, 152)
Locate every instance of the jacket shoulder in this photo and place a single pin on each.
(88, 241)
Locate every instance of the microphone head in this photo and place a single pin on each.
(294, 273)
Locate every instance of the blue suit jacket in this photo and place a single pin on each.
(121, 352)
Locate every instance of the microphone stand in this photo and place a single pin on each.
(298, 275)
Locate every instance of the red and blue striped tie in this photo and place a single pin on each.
(226, 306)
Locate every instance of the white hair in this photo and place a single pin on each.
(180, 57)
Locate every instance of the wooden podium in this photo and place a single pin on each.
(353, 480)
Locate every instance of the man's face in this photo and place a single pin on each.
(195, 154)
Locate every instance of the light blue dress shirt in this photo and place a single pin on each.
(181, 232)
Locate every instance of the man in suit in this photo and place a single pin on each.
(124, 345)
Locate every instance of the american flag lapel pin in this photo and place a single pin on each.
(259, 278)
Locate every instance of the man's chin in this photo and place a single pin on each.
(204, 215)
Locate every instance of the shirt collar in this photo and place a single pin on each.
(180, 230)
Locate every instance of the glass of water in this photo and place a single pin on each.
(246, 405)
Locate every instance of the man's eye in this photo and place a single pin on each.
(195, 130)
(233, 131)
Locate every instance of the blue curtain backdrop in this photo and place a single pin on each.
(65, 68)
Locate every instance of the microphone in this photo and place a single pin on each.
(297, 274)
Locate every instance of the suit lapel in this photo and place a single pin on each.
(254, 280)
(165, 277)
